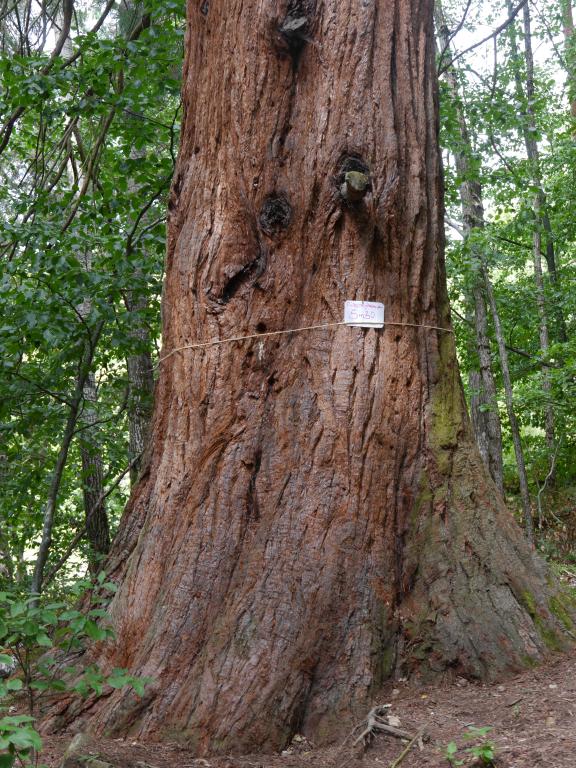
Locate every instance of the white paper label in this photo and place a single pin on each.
(364, 314)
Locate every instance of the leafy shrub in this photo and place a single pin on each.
(42, 639)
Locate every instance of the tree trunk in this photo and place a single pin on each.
(139, 364)
(483, 399)
(141, 390)
(315, 515)
(526, 100)
(6, 558)
(529, 130)
(97, 526)
(51, 504)
(570, 44)
(542, 219)
(512, 420)
(95, 515)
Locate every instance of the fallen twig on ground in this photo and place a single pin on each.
(407, 748)
(375, 723)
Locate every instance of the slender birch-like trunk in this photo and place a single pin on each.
(51, 504)
(513, 421)
(570, 47)
(140, 384)
(525, 99)
(483, 402)
(95, 515)
(81, 414)
(140, 370)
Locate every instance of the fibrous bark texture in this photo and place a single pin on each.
(314, 515)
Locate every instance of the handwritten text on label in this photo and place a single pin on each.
(364, 314)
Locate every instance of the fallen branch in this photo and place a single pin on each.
(375, 723)
(402, 755)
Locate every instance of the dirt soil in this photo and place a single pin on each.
(532, 717)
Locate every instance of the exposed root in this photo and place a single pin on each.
(376, 724)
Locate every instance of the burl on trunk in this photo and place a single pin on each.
(314, 517)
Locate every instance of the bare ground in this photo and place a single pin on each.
(532, 717)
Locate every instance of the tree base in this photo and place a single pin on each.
(473, 600)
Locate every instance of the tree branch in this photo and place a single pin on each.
(515, 350)
(492, 35)
(68, 8)
(452, 35)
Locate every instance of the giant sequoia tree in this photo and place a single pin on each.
(314, 516)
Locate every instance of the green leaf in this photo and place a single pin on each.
(15, 721)
(118, 681)
(48, 685)
(68, 615)
(43, 640)
(26, 738)
(451, 748)
(94, 631)
(138, 685)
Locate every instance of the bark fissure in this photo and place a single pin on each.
(249, 273)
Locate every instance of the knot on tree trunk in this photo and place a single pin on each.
(353, 179)
(293, 31)
(275, 215)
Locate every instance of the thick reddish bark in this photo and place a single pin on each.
(314, 516)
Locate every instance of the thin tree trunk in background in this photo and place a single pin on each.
(526, 100)
(529, 131)
(97, 525)
(485, 414)
(81, 408)
(51, 504)
(6, 560)
(539, 214)
(139, 365)
(513, 421)
(542, 220)
(6, 563)
(570, 44)
(316, 515)
(483, 400)
(140, 384)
